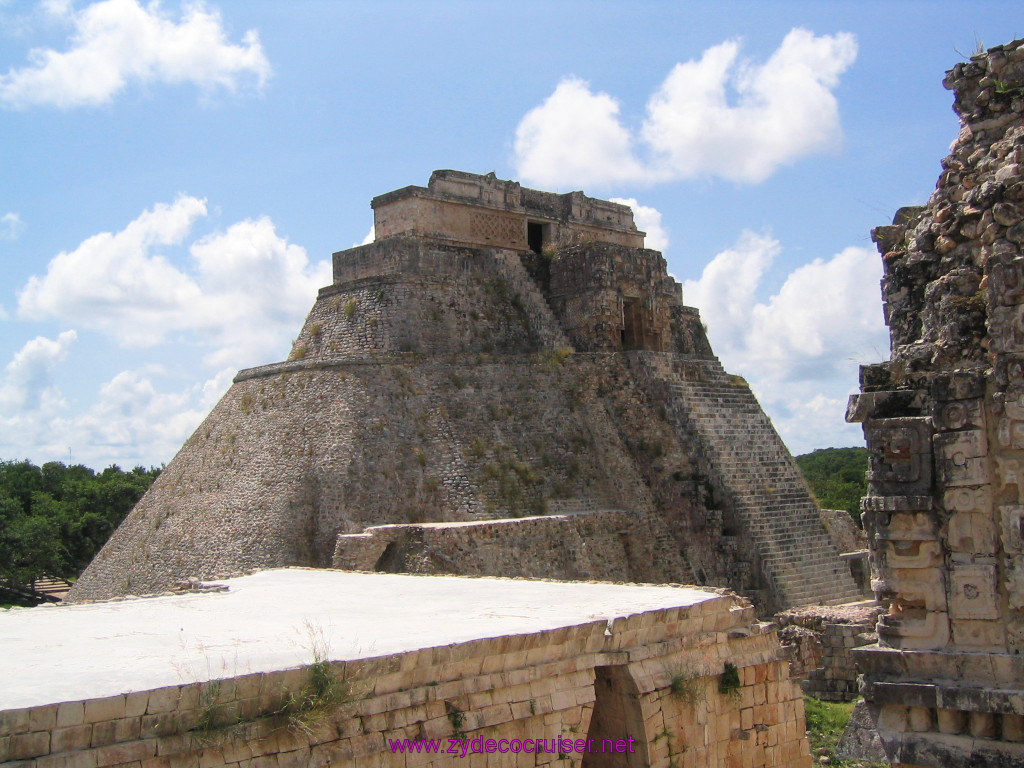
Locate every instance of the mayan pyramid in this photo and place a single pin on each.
(505, 382)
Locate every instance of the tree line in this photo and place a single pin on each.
(55, 518)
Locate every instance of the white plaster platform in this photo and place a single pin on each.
(273, 619)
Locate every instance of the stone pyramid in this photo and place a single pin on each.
(505, 382)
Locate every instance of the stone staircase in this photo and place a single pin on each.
(759, 479)
(542, 320)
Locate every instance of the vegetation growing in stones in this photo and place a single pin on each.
(686, 686)
(553, 358)
(729, 681)
(1004, 88)
(673, 751)
(977, 302)
(826, 721)
(245, 403)
(350, 308)
(458, 720)
(513, 481)
(297, 711)
(477, 449)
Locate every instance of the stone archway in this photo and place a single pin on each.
(617, 718)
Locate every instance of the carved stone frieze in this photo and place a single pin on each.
(1006, 279)
(944, 679)
(1011, 518)
(901, 456)
(960, 458)
(959, 414)
(972, 533)
(973, 592)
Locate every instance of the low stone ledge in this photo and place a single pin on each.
(548, 683)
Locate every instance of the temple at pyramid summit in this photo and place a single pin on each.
(505, 382)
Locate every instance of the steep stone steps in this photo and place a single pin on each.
(763, 486)
(543, 323)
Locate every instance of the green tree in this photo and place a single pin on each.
(54, 518)
(30, 545)
(837, 477)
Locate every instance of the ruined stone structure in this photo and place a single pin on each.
(944, 421)
(505, 382)
(820, 639)
(602, 675)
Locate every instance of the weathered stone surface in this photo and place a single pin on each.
(945, 683)
(497, 353)
(508, 660)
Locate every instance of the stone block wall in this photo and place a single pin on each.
(836, 678)
(411, 295)
(658, 677)
(487, 212)
(589, 545)
(820, 642)
(610, 297)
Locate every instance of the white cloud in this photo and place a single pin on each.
(826, 314)
(28, 378)
(647, 220)
(118, 42)
(244, 295)
(256, 289)
(726, 291)
(11, 226)
(800, 348)
(370, 237)
(575, 137)
(716, 116)
(113, 283)
(129, 423)
(213, 389)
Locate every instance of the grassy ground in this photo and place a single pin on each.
(826, 721)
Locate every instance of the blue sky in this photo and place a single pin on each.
(175, 176)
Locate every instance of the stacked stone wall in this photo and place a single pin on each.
(590, 285)
(668, 665)
(836, 678)
(820, 641)
(590, 545)
(945, 683)
(402, 439)
(408, 295)
(293, 457)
